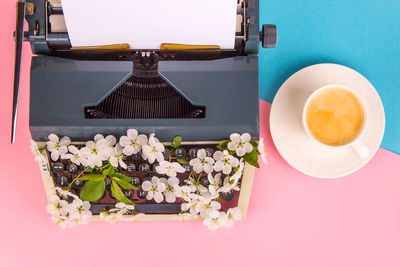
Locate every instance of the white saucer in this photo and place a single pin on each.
(306, 154)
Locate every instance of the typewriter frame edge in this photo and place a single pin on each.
(243, 201)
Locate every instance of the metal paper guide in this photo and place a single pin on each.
(148, 24)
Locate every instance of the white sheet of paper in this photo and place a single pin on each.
(146, 24)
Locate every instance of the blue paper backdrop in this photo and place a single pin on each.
(363, 35)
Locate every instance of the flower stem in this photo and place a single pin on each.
(79, 175)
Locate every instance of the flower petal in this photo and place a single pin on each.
(248, 147)
(235, 137)
(232, 146)
(201, 153)
(240, 151)
(132, 134)
(158, 197)
(128, 150)
(246, 137)
(147, 185)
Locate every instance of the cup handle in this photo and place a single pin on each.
(361, 149)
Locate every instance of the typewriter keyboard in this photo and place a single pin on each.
(64, 172)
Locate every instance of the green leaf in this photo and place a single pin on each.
(170, 145)
(183, 161)
(254, 144)
(109, 171)
(223, 145)
(92, 177)
(252, 158)
(118, 194)
(176, 142)
(124, 184)
(93, 190)
(123, 177)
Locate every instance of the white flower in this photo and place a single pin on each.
(225, 162)
(183, 192)
(153, 150)
(191, 205)
(117, 157)
(64, 194)
(231, 183)
(122, 208)
(154, 189)
(169, 168)
(94, 153)
(133, 142)
(57, 147)
(232, 215)
(111, 217)
(57, 207)
(261, 149)
(240, 144)
(215, 220)
(215, 183)
(80, 210)
(111, 140)
(206, 205)
(74, 156)
(39, 157)
(172, 188)
(202, 162)
(195, 186)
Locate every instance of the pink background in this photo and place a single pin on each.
(293, 219)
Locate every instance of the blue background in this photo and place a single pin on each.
(363, 35)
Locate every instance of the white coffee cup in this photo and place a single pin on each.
(359, 147)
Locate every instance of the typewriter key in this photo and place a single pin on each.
(131, 168)
(137, 155)
(144, 168)
(135, 181)
(70, 198)
(72, 168)
(148, 178)
(193, 153)
(78, 183)
(180, 153)
(108, 182)
(128, 193)
(228, 196)
(62, 181)
(154, 167)
(204, 181)
(166, 153)
(188, 168)
(209, 152)
(58, 167)
(141, 194)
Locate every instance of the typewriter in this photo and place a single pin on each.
(168, 91)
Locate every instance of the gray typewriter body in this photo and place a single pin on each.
(221, 91)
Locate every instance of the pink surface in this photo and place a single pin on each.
(293, 219)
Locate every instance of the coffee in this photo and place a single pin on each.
(335, 116)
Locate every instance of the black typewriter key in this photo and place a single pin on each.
(193, 153)
(78, 183)
(70, 198)
(131, 168)
(180, 153)
(154, 167)
(141, 194)
(58, 167)
(108, 182)
(209, 152)
(148, 178)
(188, 168)
(62, 181)
(135, 181)
(204, 181)
(72, 168)
(166, 153)
(228, 196)
(128, 193)
(144, 168)
(111, 194)
(137, 155)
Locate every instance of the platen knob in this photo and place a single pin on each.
(268, 36)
